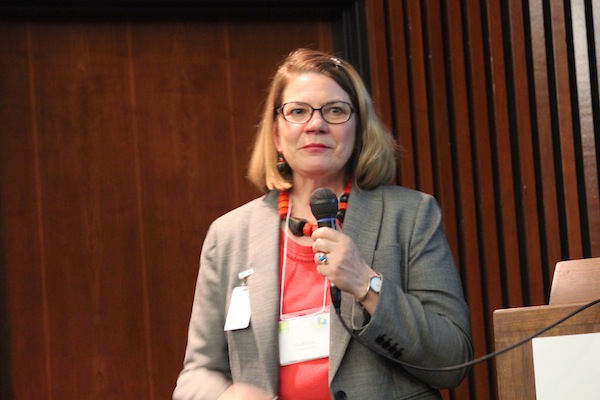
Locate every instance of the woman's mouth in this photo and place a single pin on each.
(315, 146)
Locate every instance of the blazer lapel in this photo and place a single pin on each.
(362, 222)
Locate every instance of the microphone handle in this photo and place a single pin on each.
(336, 298)
(336, 295)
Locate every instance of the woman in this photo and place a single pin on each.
(265, 269)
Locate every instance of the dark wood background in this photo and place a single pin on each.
(496, 104)
(125, 129)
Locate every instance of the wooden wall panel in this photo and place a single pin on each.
(179, 98)
(464, 147)
(439, 115)
(495, 105)
(87, 211)
(122, 141)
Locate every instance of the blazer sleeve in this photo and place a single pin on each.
(206, 373)
(244, 238)
(421, 311)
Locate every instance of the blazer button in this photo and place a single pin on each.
(340, 395)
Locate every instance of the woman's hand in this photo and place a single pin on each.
(344, 266)
(338, 259)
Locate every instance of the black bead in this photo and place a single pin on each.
(296, 226)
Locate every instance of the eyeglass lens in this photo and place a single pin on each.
(333, 113)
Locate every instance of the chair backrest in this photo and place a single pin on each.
(576, 281)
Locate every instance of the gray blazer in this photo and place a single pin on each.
(421, 312)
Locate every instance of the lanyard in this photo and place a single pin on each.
(283, 268)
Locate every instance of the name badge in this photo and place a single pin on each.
(238, 315)
(304, 337)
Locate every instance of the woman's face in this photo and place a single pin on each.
(315, 149)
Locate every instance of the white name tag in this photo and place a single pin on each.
(304, 338)
(238, 315)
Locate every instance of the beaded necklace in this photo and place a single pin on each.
(301, 227)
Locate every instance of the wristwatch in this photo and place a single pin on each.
(374, 285)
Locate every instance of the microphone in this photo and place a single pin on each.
(324, 206)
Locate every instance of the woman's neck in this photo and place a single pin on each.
(304, 187)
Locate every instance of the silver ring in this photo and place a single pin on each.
(322, 259)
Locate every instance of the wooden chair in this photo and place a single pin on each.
(576, 281)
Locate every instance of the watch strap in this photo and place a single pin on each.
(364, 296)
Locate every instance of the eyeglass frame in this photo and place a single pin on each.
(279, 110)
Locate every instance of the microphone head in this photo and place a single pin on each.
(323, 204)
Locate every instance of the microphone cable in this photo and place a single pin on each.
(474, 361)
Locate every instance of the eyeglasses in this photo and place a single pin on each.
(297, 112)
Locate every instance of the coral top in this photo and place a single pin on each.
(303, 290)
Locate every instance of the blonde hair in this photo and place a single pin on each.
(373, 161)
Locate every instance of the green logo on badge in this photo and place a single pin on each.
(322, 320)
(284, 327)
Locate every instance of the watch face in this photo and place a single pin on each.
(375, 284)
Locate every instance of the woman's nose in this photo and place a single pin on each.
(316, 122)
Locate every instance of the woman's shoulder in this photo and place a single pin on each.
(396, 192)
(244, 211)
(405, 199)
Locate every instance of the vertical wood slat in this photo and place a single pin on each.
(595, 10)
(545, 136)
(421, 150)
(569, 181)
(507, 215)
(402, 123)
(594, 206)
(585, 117)
(525, 179)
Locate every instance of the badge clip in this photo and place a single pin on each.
(244, 275)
